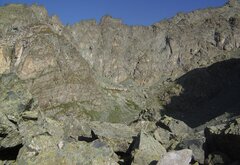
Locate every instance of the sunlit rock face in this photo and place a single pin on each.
(165, 49)
(4, 60)
(38, 49)
(85, 63)
(101, 89)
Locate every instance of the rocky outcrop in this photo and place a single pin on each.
(53, 69)
(14, 100)
(224, 139)
(170, 48)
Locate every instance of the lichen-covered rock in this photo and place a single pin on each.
(45, 141)
(182, 157)
(70, 153)
(224, 138)
(4, 60)
(165, 137)
(147, 150)
(196, 143)
(14, 100)
(117, 136)
(177, 127)
(10, 135)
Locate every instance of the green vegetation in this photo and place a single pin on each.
(115, 115)
(132, 105)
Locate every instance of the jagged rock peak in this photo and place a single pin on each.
(109, 19)
(233, 2)
(39, 11)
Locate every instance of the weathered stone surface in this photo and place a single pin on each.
(147, 149)
(45, 142)
(182, 157)
(67, 67)
(165, 137)
(14, 99)
(55, 72)
(70, 153)
(169, 48)
(65, 90)
(117, 136)
(196, 143)
(224, 138)
(177, 127)
(218, 158)
(4, 60)
(30, 115)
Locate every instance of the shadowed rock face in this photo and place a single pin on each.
(207, 93)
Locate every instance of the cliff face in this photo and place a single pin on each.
(56, 80)
(34, 47)
(70, 65)
(170, 48)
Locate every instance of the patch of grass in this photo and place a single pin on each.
(94, 115)
(115, 115)
(75, 108)
(132, 105)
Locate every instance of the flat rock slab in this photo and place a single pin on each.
(182, 157)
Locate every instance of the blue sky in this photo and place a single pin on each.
(132, 12)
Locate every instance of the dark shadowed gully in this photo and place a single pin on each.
(207, 93)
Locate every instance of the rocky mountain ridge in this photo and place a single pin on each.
(108, 89)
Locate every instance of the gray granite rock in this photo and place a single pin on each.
(182, 157)
(147, 150)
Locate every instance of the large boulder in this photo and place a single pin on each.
(196, 143)
(146, 149)
(177, 127)
(182, 157)
(170, 132)
(117, 136)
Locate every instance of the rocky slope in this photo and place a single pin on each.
(102, 93)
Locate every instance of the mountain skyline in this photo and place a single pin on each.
(134, 12)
